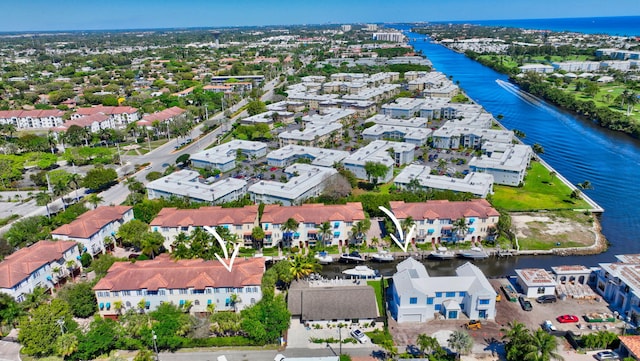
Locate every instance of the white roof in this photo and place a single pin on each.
(227, 152)
(320, 156)
(311, 131)
(309, 176)
(376, 151)
(475, 183)
(187, 183)
(513, 157)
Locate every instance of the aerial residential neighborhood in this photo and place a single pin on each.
(274, 192)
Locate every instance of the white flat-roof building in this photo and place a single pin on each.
(536, 68)
(450, 136)
(190, 184)
(506, 162)
(269, 117)
(403, 108)
(413, 135)
(478, 184)
(415, 122)
(378, 93)
(223, 156)
(535, 282)
(307, 181)
(378, 152)
(330, 115)
(577, 65)
(313, 135)
(287, 155)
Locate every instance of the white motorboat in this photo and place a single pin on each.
(442, 253)
(362, 272)
(382, 256)
(323, 257)
(474, 253)
(353, 257)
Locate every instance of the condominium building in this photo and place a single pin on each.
(32, 119)
(191, 185)
(288, 155)
(307, 181)
(341, 217)
(43, 264)
(507, 163)
(478, 184)
(223, 156)
(313, 135)
(386, 153)
(93, 227)
(196, 285)
(434, 220)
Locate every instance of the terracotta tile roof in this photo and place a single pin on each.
(7, 114)
(163, 272)
(632, 343)
(205, 216)
(313, 213)
(19, 265)
(161, 116)
(86, 120)
(92, 221)
(443, 209)
(106, 110)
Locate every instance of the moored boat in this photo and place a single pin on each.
(323, 257)
(362, 272)
(442, 253)
(474, 253)
(382, 256)
(353, 257)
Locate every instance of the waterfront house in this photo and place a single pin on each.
(93, 227)
(192, 284)
(417, 297)
(43, 264)
(618, 283)
(535, 282)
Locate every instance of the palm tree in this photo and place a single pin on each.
(360, 229)
(75, 179)
(67, 344)
(150, 243)
(461, 342)
(325, 232)
(375, 171)
(427, 343)
(302, 266)
(460, 227)
(517, 336)
(43, 199)
(235, 300)
(406, 224)
(59, 189)
(585, 185)
(414, 184)
(288, 227)
(211, 308)
(542, 347)
(94, 199)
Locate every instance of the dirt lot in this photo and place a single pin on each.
(487, 339)
(551, 227)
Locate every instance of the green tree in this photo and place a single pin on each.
(256, 107)
(10, 310)
(171, 323)
(144, 355)
(80, 297)
(537, 148)
(27, 231)
(288, 228)
(183, 159)
(427, 344)
(257, 234)
(151, 243)
(375, 171)
(460, 228)
(360, 229)
(99, 178)
(102, 264)
(131, 232)
(40, 331)
(265, 321)
(461, 342)
(517, 336)
(99, 339)
(302, 266)
(43, 199)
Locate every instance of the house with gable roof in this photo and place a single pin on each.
(92, 227)
(418, 297)
(434, 220)
(172, 221)
(195, 283)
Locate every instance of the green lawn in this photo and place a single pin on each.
(540, 191)
(533, 243)
(377, 287)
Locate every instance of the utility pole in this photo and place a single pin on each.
(206, 112)
(155, 345)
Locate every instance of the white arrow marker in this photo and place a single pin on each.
(403, 242)
(223, 244)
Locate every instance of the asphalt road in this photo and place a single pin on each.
(259, 355)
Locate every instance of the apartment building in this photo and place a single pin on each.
(191, 185)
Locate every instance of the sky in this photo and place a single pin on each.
(43, 15)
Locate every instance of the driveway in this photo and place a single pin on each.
(9, 351)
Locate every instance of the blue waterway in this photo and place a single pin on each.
(577, 149)
(621, 25)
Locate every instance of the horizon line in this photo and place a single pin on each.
(204, 27)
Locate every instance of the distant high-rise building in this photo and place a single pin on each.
(389, 36)
(371, 27)
(216, 36)
(346, 28)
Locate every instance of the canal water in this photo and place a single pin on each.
(576, 148)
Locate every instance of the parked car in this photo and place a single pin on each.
(359, 335)
(473, 325)
(607, 355)
(548, 326)
(525, 304)
(279, 357)
(546, 299)
(567, 318)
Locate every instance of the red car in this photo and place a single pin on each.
(273, 169)
(567, 318)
